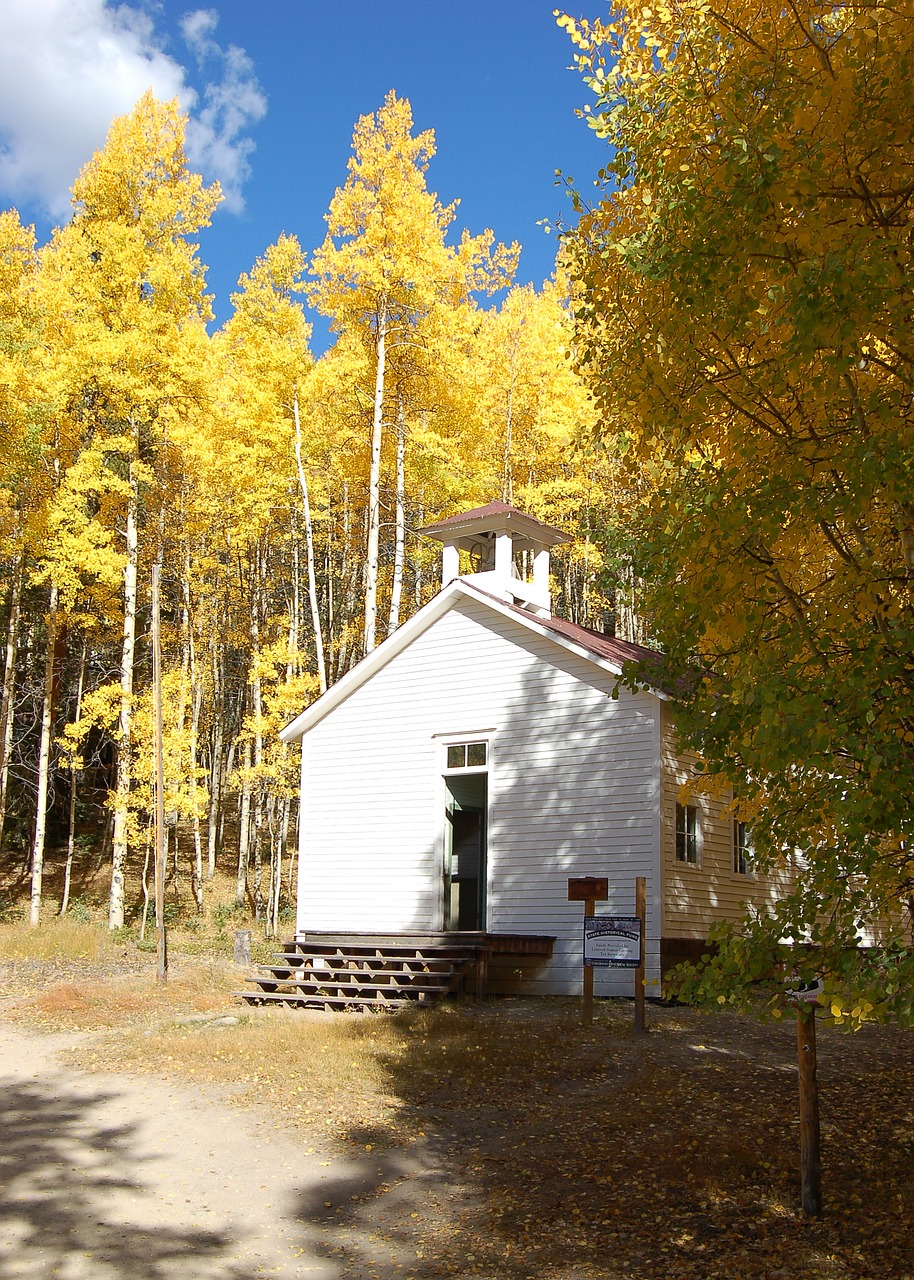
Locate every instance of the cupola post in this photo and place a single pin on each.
(504, 555)
(498, 541)
(450, 563)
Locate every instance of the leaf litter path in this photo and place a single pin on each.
(117, 1177)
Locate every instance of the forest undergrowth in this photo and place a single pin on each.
(564, 1152)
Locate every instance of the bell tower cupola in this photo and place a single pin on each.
(507, 550)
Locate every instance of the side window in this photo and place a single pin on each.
(687, 834)
(742, 848)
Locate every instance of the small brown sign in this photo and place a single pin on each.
(588, 889)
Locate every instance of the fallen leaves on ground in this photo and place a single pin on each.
(572, 1154)
(673, 1155)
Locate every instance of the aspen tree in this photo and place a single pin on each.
(74, 773)
(309, 548)
(216, 760)
(396, 586)
(332, 415)
(7, 704)
(264, 362)
(128, 286)
(744, 323)
(21, 485)
(44, 759)
(385, 265)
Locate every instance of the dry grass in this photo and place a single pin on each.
(209, 932)
(69, 975)
(98, 1003)
(57, 939)
(366, 1079)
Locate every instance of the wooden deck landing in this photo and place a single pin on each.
(385, 971)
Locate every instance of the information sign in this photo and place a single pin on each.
(612, 942)
(805, 992)
(588, 889)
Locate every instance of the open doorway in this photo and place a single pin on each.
(465, 852)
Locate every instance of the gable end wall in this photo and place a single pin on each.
(573, 790)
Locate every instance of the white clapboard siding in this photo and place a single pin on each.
(573, 781)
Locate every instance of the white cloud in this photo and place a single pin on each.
(68, 67)
(216, 142)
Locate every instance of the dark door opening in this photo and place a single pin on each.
(465, 854)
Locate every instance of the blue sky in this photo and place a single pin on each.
(273, 90)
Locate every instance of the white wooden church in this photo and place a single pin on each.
(456, 778)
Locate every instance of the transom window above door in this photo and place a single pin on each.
(467, 755)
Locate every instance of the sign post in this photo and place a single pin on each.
(810, 1165)
(806, 997)
(611, 942)
(590, 890)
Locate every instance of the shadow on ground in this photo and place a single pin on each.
(558, 1153)
(70, 1200)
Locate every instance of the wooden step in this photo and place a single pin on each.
(309, 971)
(366, 974)
(350, 985)
(373, 957)
(377, 953)
(309, 1001)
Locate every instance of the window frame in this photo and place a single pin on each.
(447, 741)
(742, 848)
(689, 837)
(441, 743)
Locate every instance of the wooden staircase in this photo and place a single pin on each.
(361, 972)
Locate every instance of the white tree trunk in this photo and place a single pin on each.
(71, 827)
(244, 834)
(343, 613)
(216, 771)
(396, 589)
(309, 545)
(7, 700)
(196, 707)
(417, 562)
(125, 717)
(196, 697)
(145, 883)
(257, 714)
(272, 910)
(372, 553)
(44, 764)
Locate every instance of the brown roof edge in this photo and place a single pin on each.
(601, 646)
(617, 651)
(491, 510)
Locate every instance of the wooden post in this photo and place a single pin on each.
(242, 949)
(161, 943)
(810, 1169)
(590, 890)
(482, 973)
(590, 909)
(641, 913)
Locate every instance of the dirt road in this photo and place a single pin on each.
(111, 1177)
